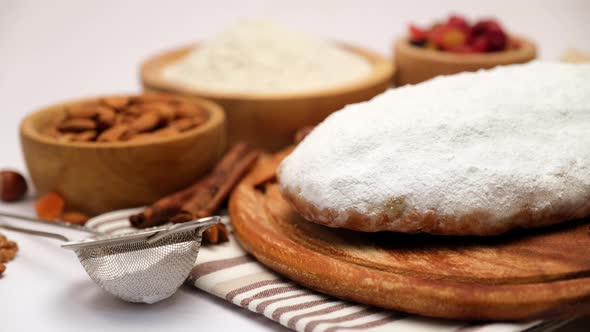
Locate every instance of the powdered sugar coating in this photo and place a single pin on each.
(490, 143)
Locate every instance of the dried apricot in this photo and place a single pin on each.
(49, 206)
(74, 217)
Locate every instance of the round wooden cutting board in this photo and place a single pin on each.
(521, 275)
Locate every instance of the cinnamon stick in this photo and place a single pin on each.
(163, 209)
(207, 200)
(204, 197)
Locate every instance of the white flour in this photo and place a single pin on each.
(495, 141)
(260, 57)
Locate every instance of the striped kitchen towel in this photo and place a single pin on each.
(228, 272)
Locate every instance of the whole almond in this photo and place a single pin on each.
(145, 122)
(115, 102)
(124, 118)
(113, 134)
(85, 136)
(183, 124)
(82, 111)
(135, 110)
(77, 125)
(165, 111)
(186, 110)
(106, 117)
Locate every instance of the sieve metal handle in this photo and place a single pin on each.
(34, 232)
(151, 235)
(48, 222)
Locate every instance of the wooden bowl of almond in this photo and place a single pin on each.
(113, 152)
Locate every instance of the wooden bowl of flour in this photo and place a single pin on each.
(271, 120)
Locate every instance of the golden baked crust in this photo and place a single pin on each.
(412, 221)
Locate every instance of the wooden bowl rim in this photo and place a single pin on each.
(527, 50)
(151, 69)
(216, 120)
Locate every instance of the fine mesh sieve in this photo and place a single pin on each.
(144, 266)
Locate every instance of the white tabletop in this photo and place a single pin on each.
(57, 50)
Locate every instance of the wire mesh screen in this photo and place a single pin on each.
(143, 272)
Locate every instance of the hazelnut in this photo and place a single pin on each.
(13, 186)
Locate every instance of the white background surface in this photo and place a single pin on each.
(56, 50)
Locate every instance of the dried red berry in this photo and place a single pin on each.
(480, 44)
(458, 22)
(417, 34)
(436, 34)
(483, 26)
(457, 35)
(490, 30)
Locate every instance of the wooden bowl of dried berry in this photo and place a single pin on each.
(113, 152)
(455, 46)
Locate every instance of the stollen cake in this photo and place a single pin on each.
(469, 154)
